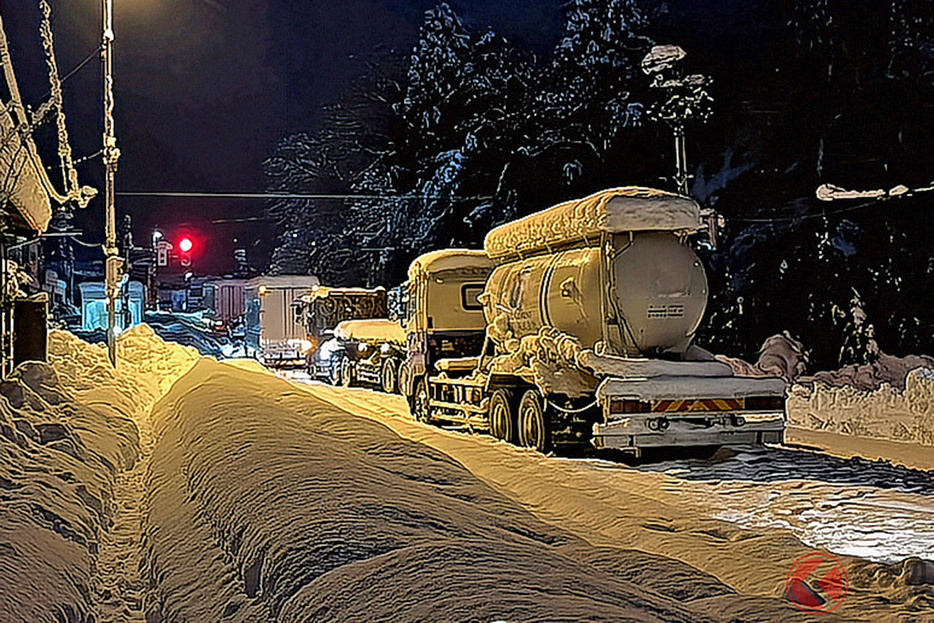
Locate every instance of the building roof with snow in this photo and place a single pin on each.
(23, 175)
(323, 292)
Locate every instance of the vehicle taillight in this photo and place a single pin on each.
(630, 406)
(765, 403)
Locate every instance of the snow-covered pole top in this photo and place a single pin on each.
(662, 58)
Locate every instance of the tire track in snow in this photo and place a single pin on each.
(612, 504)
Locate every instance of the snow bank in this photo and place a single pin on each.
(780, 355)
(58, 458)
(66, 431)
(883, 412)
(269, 503)
(891, 398)
(884, 370)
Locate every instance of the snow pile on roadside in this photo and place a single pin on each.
(59, 455)
(890, 398)
(66, 431)
(269, 503)
(885, 412)
(144, 362)
(780, 355)
(884, 370)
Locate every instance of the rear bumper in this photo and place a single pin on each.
(731, 421)
(285, 359)
(654, 430)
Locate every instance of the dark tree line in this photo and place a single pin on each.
(841, 93)
(468, 131)
(465, 133)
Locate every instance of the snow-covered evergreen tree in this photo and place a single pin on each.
(324, 236)
(596, 62)
(463, 111)
(594, 91)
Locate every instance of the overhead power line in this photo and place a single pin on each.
(95, 54)
(236, 195)
(805, 217)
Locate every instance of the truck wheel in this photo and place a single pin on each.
(346, 372)
(502, 419)
(388, 376)
(420, 399)
(533, 424)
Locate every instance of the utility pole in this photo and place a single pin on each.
(112, 261)
(681, 160)
(681, 99)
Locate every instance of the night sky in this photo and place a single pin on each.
(206, 88)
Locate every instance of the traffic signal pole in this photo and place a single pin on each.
(112, 261)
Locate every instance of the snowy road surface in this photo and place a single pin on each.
(870, 511)
(177, 488)
(273, 502)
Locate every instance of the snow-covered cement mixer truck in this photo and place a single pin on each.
(588, 313)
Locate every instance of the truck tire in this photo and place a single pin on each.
(389, 376)
(421, 410)
(346, 372)
(534, 431)
(502, 418)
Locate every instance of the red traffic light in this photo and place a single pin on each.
(185, 245)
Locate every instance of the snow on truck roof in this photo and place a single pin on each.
(457, 260)
(617, 210)
(372, 330)
(274, 282)
(321, 292)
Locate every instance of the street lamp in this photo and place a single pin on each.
(112, 261)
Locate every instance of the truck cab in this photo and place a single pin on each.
(444, 315)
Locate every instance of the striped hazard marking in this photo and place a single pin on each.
(710, 404)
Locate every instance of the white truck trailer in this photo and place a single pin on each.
(273, 326)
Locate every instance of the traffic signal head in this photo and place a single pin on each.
(185, 245)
